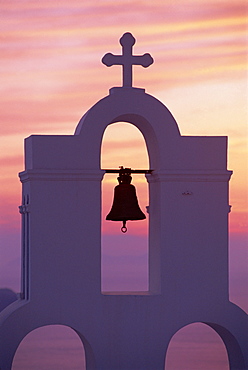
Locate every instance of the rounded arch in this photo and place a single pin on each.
(123, 144)
(58, 344)
(234, 356)
(196, 346)
(134, 106)
(124, 269)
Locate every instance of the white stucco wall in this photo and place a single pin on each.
(188, 241)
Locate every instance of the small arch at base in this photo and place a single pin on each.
(53, 346)
(196, 346)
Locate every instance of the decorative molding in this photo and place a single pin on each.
(61, 175)
(189, 176)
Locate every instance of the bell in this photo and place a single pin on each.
(125, 205)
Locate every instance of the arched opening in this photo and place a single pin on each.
(196, 346)
(124, 256)
(50, 347)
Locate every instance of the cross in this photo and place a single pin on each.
(127, 60)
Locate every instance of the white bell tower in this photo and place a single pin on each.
(188, 238)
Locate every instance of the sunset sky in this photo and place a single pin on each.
(51, 74)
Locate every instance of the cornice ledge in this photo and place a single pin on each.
(190, 175)
(61, 175)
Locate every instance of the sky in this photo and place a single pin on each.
(51, 74)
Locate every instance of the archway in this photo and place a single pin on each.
(50, 347)
(124, 257)
(196, 346)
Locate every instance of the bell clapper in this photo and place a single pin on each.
(124, 228)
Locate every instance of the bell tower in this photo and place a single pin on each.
(188, 238)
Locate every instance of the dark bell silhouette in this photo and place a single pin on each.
(125, 205)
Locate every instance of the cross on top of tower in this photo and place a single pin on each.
(127, 59)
